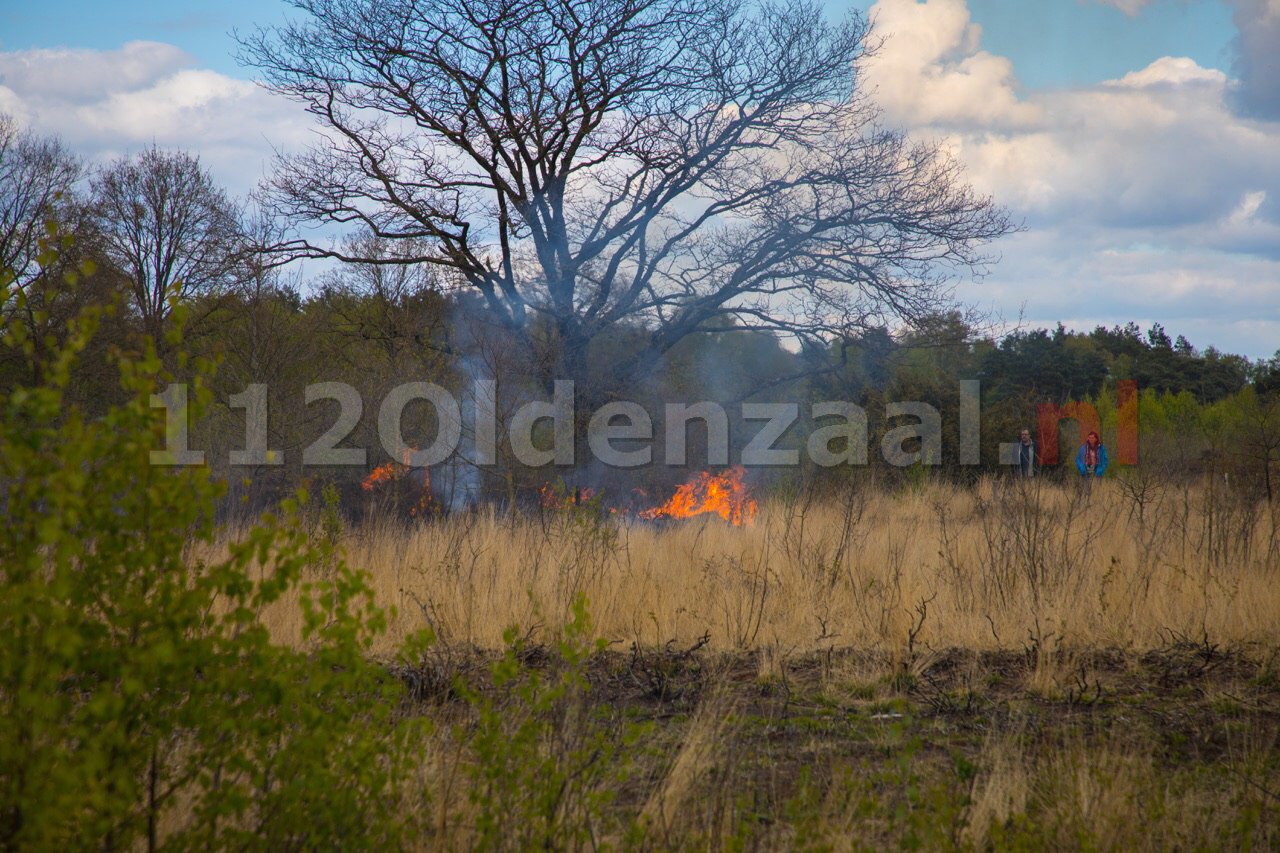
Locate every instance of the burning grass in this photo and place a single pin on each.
(725, 495)
(995, 567)
(401, 479)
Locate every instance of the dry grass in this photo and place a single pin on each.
(1154, 760)
(988, 668)
(997, 566)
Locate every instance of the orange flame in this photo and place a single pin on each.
(724, 494)
(381, 474)
(391, 472)
(555, 497)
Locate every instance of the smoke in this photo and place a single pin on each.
(459, 482)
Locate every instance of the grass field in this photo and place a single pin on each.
(1004, 666)
(996, 567)
(1171, 749)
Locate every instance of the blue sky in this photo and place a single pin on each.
(1051, 42)
(200, 27)
(1055, 43)
(1139, 140)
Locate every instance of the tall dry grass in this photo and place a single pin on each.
(1004, 564)
(866, 745)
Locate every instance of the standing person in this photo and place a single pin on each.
(1026, 456)
(1091, 461)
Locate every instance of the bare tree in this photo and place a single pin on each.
(1257, 437)
(587, 163)
(260, 306)
(164, 223)
(399, 308)
(37, 175)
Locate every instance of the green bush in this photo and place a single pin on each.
(142, 699)
(547, 764)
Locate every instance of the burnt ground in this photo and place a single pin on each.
(799, 745)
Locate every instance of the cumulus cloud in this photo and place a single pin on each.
(189, 101)
(930, 69)
(1256, 48)
(1170, 71)
(109, 103)
(76, 76)
(1146, 197)
(1159, 148)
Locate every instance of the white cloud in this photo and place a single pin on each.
(79, 75)
(1248, 207)
(190, 101)
(1170, 71)
(11, 104)
(929, 69)
(1256, 48)
(109, 103)
(1146, 197)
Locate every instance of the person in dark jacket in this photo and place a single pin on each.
(1091, 460)
(1027, 461)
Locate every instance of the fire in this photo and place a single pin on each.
(555, 496)
(392, 472)
(725, 494)
(378, 476)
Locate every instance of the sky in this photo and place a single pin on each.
(1138, 141)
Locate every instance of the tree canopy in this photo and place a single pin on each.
(584, 164)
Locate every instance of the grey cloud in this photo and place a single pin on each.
(81, 75)
(105, 104)
(1257, 61)
(1086, 278)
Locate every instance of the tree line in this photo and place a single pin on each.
(164, 237)
(533, 192)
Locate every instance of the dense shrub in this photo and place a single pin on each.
(142, 697)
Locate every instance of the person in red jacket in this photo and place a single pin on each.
(1091, 460)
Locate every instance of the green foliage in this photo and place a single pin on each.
(916, 475)
(143, 699)
(547, 765)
